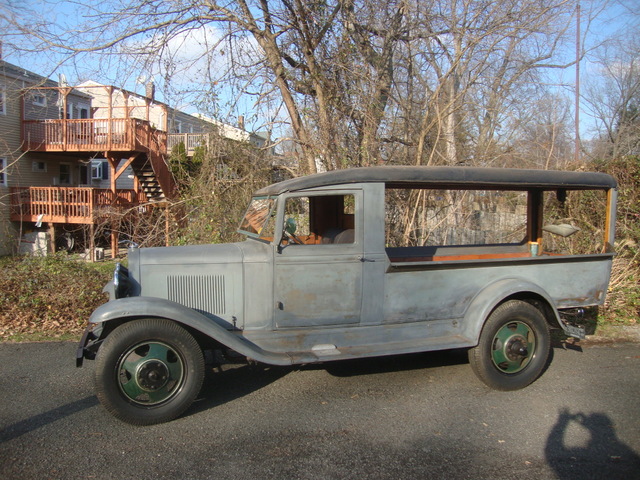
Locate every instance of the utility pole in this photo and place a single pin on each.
(578, 51)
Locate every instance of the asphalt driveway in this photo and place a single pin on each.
(415, 416)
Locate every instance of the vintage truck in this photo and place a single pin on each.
(359, 263)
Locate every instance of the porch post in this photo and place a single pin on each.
(52, 237)
(113, 165)
(65, 127)
(64, 119)
(114, 240)
(110, 121)
(125, 94)
(92, 242)
(166, 224)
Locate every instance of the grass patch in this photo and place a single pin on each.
(42, 337)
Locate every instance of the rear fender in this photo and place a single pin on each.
(495, 294)
(130, 308)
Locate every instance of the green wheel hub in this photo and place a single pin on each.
(150, 373)
(513, 347)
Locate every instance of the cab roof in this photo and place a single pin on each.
(448, 177)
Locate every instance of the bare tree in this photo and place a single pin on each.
(479, 56)
(613, 98)
(359, 82)
(545, 135)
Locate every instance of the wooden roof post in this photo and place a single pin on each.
(113, 166)
(65, 128)
(125, 94)
(110, 116)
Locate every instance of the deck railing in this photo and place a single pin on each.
(92, 134)
(191, 141)
(79, 205)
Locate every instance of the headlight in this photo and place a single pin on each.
(121, 281)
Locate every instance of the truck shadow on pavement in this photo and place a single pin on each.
(394, 363)
(583, 446)
(231, 382)
(228, 383)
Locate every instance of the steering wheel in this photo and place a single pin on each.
(293, 238)
(290, 231)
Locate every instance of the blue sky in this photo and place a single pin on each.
(111, 69)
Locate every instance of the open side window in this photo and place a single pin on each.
(319, 220)
(451, 224)
(465, 224)
(574, 222)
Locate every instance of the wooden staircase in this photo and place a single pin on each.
(152, 171)
(148, 179)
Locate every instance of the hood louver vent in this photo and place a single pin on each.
(205, 293)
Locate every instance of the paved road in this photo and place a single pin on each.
(408, 417)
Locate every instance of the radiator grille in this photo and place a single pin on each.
(205, 293)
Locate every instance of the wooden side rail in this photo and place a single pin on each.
(443, 253)
(442, 258)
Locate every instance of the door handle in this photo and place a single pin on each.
(363, 259)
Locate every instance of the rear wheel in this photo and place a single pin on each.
(148, 371)
(513, 349)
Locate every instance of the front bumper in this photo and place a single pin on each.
(89, 344)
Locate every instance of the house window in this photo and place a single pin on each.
(83, 111)
(3, 173)
(65, 174)
(39, 99)
(99, 170)
(38, 167)
(96, 170)
(3, 101)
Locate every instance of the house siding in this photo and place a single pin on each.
(9, 150)
(160, 115)
(23, 90)
(20, 171)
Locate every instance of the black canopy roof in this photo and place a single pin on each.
(449, 177)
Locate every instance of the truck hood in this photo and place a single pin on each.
(249, 251)
(205, 278)
(189, 255)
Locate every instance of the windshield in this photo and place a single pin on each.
(258, 220)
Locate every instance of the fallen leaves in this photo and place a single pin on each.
(52, 295)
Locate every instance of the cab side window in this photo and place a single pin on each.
(320, 220)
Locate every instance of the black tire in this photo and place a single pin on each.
(148, 371)
(513, 349)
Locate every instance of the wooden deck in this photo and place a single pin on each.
(191, 141)
(76, 205)
(92, 135)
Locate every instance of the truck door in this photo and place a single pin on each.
(318, 271)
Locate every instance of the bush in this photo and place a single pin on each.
(623, 301)
(55, 295)
(51, 295)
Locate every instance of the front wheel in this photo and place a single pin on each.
(513, 349)
(148, 371)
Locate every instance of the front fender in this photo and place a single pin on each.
(145, 307)
(491, 296)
